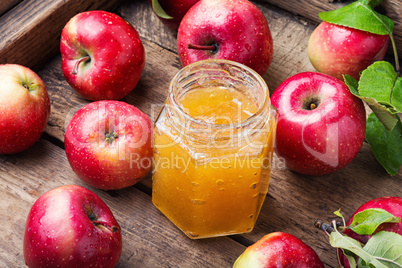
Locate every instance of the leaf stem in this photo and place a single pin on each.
(397, 67)
(388, 260)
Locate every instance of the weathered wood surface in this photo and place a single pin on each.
(149, 239)
(6, 5)
(30, 33)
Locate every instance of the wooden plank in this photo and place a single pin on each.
(149, 239)
(6, 5)
(309, 9)
(30, 34)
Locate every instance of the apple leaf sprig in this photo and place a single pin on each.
(157, 8)
(383, 249)
(380, 85)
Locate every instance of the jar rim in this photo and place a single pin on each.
(173, 99)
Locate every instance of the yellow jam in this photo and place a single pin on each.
(214, 185)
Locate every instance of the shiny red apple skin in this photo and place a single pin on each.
(336, 50)
(70, 226)
(24, 108)
(237, 27)
(279, 250)
(116, 51)
(392, 204)
(109, 144)
(322, 140)
(175, 9)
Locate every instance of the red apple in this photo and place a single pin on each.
(227, 29)
(176, 9)
(70, 226)
(102, 55)
(321, 125)
(336, 50)
(391, 204)
(279, 249)
(108, 144)
(24, 108)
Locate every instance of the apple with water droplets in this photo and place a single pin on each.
(321, 124)
(226, 29)
(279, 249)
(70, 226)
(109, 144)
(337, 50)
(24, 108)
(102, 55)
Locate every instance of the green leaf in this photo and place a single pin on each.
(351, 259)
(338, 240)
(353, 84)
(159, 10)
(386, 247)
(386, 145)
(338, 213)
(386, 117)
(396, 98)
(379, 81)
(367, 221)
(360, 15)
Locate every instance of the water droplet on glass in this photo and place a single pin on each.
(219, 182)
(197, 201)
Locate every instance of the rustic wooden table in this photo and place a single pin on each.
(30, 34)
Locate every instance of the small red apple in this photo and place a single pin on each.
(227, 29)
(176, 9)
(279, 249)
(24, 108)
(337, 50)
(102, 55)
(109, 144)
(70, 226)
(392, 204)
(321, 125)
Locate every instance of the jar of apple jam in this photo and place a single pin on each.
(213, 149)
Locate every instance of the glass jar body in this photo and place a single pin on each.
(212, 179)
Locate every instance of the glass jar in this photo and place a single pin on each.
(213, 147)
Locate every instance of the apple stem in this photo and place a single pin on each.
(113, 228)
(213, 48)
(78, 62)
(313, 106)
